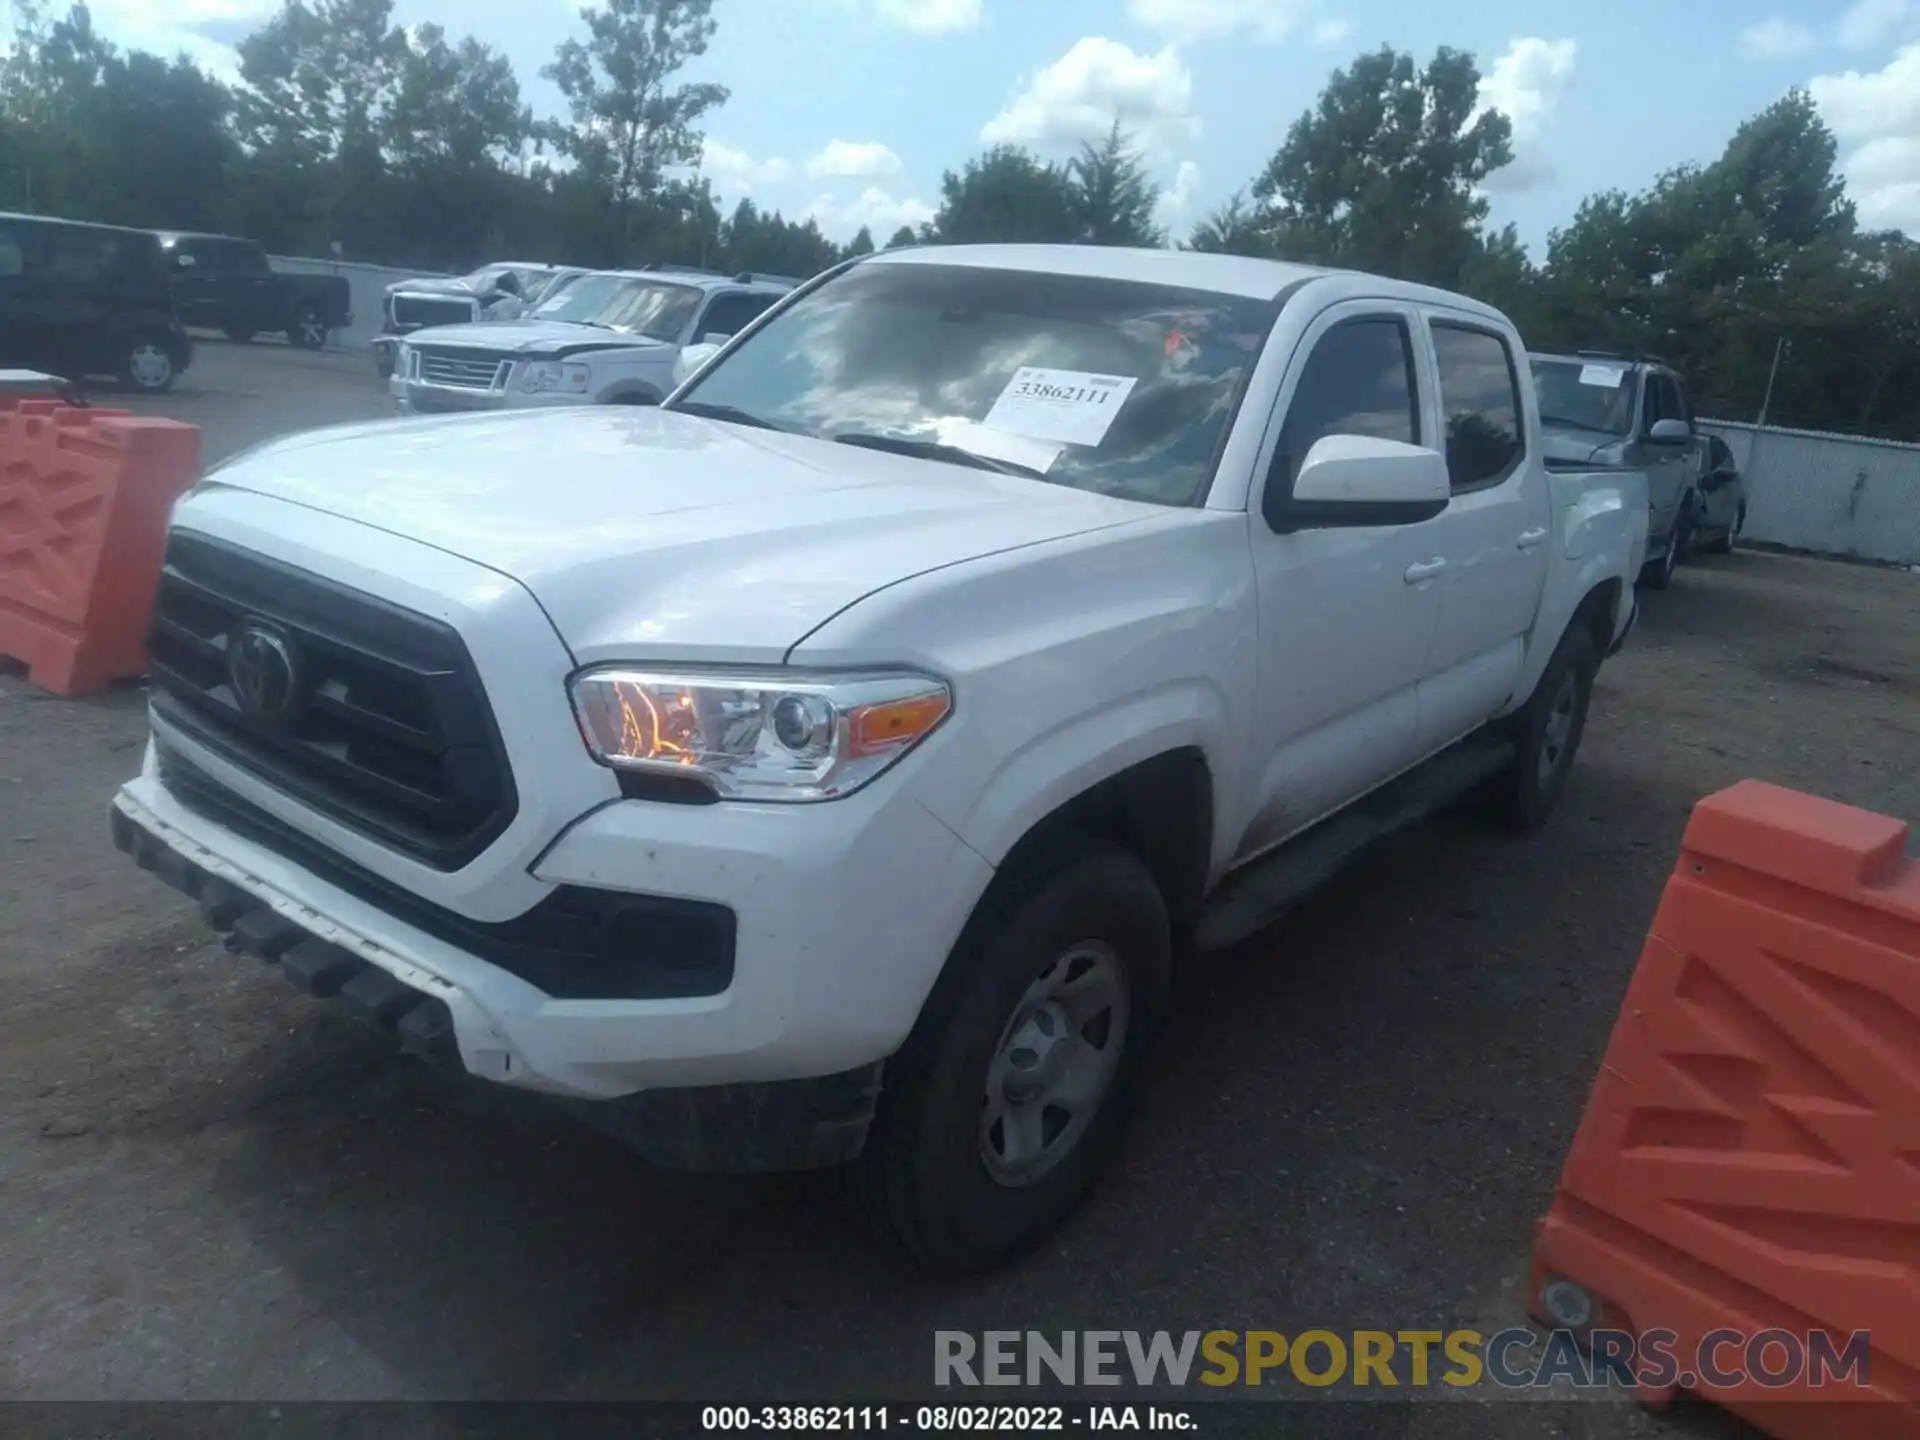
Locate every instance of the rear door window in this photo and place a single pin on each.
(730, 314)
(1480, 399)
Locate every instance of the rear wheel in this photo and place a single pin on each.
(1546, 733)
(1729, 542)
(1010, 1097)
(308, 331)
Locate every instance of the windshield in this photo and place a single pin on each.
(1106, 385)
(617, 302)
(1585, 394)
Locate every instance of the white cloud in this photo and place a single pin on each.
(1175, 208)
(1869, 24)
(1267, 20)
(874, 208)
(207, 30)
(1880, 110)
(930, 17)
(1777, 39)
(1526, 85)
(1097, 81)
(1327, 33)
(853, 160)
(734, 172)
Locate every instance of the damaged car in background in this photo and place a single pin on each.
(504, 290)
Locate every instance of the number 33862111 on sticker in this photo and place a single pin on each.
(1069, 407)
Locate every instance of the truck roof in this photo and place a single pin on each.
(1190, 269)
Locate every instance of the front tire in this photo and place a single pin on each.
(1010, 1097)
(1729, 542)
(1546, 733)
(1659, 575)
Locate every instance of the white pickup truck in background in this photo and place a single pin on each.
(828, 766)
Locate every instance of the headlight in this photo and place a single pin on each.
(555, 375)
(762, 736)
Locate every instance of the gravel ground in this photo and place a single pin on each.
(212, 1188)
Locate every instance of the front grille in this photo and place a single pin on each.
(463, 369)
(415, 311)
(386, 728)
(576, 944)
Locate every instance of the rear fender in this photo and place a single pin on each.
(1602, 524)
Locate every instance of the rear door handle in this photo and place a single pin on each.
(1418, 572)
(1530, 538)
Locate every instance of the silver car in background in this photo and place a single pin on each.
(1600, 408)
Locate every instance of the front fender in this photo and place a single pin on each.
(1087, 748)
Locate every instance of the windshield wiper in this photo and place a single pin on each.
(734, 413)
(935, 450)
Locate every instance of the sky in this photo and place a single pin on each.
(850, 110)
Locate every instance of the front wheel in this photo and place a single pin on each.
(1546, 733)
(1010, 1097)
(1729, 542)
(308, 331)
(148, 366)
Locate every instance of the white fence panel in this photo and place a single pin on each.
(368, 283)
(1835, 494)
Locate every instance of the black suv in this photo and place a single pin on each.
(79, 299)
(227, 283)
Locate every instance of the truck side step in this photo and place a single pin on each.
(1260, 892)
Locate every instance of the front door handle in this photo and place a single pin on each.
(1426, 571)
(1530, 538)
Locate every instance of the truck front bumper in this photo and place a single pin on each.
(843, 915)
(411, 397)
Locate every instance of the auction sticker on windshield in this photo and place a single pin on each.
(1607, 377)
(1069, 406)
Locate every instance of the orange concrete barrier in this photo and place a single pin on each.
(84, 498)
(1749, 1160)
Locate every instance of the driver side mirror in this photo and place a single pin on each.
(1670, 432)
(715, 338)
(1358, 480)
(691, 358)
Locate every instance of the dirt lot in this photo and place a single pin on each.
(213, 1188)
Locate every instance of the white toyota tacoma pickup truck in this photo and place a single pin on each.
(826, 767)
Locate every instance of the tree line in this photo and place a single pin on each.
(407, 146)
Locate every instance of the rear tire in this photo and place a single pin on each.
(1011, 1095)
(1730, 541)
(308, 331)
(1546, 733)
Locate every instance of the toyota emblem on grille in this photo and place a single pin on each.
(265, 679)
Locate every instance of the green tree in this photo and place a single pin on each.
(631, 123)
(903, 236)
(862, 242)
(1005, 195)
(1113, 200)
(1384, 174)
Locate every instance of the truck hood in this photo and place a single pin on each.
(1571, 443)
(536, 337)
(649, 535)
(446, 285)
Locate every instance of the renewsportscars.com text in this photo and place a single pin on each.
(1510, 1359)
